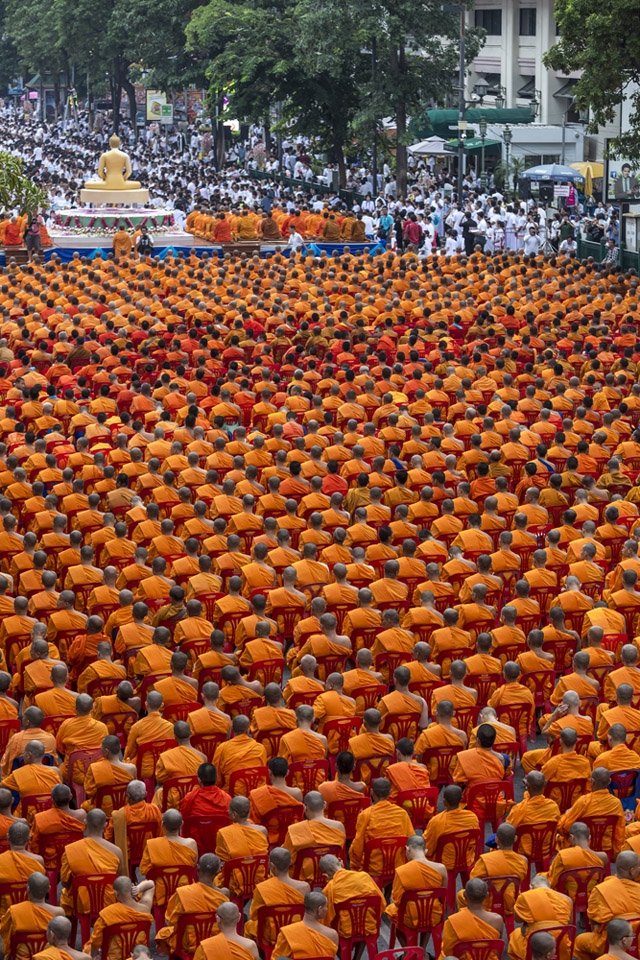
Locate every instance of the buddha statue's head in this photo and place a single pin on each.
(114, 141)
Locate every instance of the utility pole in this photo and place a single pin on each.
(462, 10)
(374, 150)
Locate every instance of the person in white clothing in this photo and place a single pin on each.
(531, 243)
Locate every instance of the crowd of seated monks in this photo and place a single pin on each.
(304, 564)
(247, 224)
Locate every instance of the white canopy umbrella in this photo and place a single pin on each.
(431, 147)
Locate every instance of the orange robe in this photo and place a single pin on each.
(15, 867)
(236, 841)
(307, 835)
(162, 852)
(193, 898)
(271, 893)
(299, 942)
(84, 858)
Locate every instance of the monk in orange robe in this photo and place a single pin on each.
(345, 885)
(59, 819)
(241, 838)
(472, 922)
(228, 944)
(598, 802)
(575, 857)
(535, 808)
(277, 795)
(32, 916)
(200, 897)
(58, 935)
(309, 937)
(181, 761)
(148, 730)
(534, 909)
(501, 862)
(481, 763)
(381, 819)
(125, 910)
(32, 719)
(418, 873)
(87, 857)
(136, 812)
(239, 753)
(81, 732)
(170, 850)
(278, 890)
(371, 745)
(616, 896)
(17, 863)
(105, 773)
(33, 777)
(316, 830)
(445, 824)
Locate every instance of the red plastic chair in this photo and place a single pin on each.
(340, 730)
(27, 944)
(558, 933)
(307, 774)
(151, 749)
(172, 878)
(270, 740)
(623, 783)
(426, 905)
(137, 836)
(288, 618)
(347, 812)
(204, 831)
(420, 804)
(11, 893)
(183, 785)
(466, 718)
(7, 730)
(85, 758)
(314, 855)
(392, 850)
(440, 762)
(276, 918)
(461, 842)
(249, 778)
(34, 803)
(203, 926)
(208, 743)
(358, 912)
(400, 953)
(252, 871)
(536, 842)
(364, 637)
(400, 725)
(125, 936)
(95, 888)
(585, 879)
(566, 793)
(278, 822)
(371, 768)
(499, 886)
(266, 671)
(478, 949)
(485, 683)
(485, 799)
(180, 711)
(601, 830)
(367, 696)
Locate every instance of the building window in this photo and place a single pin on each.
(491, 21)
(527, 21)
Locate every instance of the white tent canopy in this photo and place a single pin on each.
(431, 147)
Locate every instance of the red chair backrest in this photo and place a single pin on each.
(623, 783)
(117, 794)
(125, 936)
(559, 933)
(393, 853)
(152, 748)
(440, 762)
(400, 725)
(423, 906)
(280, 820)
(311, 772)
(566, 793)
(602, 830)
(137, 836)
(315, 854)
(27, 944)
(344, 727)
(371, 768)
(458, 844)
(359, 911)
(275, 917)
(248, 779)
(479, 949)
(203, 926)
(485, 799)
(7, 729)
(180, 711)
(94, 888)
(180, 784)
(208, 743)
(13, 892)
(536, 841)
(420, 804)
(347, 812)
(252, 871)
(578, 882)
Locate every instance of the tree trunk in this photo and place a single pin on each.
(116, 96)
(342, 169)
(266, 130)
(401, 130)
(133, 107)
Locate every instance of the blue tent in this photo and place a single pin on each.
(553, 171)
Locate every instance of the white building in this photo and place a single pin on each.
(519, 32)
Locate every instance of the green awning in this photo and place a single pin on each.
(474, 145)
(440, 122)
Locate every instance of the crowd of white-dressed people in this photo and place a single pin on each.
(178, 168)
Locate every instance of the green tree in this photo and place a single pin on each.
(16, 189)
(603, 41)
(417, 57)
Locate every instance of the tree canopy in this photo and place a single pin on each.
(16, 189)
(603, 41)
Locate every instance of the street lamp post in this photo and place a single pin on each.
(483, 134)
(507, 136)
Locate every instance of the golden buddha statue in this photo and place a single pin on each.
(114, 170)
